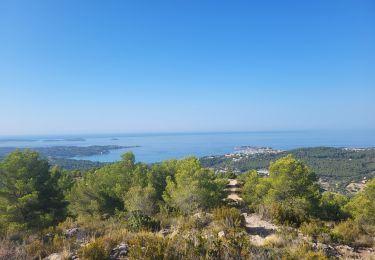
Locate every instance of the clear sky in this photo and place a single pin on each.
(166, 66)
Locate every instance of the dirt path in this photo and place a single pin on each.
(258, 229)
(233, 188)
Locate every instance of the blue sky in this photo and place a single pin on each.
(171, 66)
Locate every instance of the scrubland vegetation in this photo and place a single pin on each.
(176, 209)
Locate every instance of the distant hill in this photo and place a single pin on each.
(336, 167)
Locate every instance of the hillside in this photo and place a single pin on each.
(336, 167)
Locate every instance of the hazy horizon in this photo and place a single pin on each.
(114, 134)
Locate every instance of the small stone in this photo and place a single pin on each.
(71, 232)
(119, 251)
(54, 256)
(165, 231)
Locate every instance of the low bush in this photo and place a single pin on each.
(197, 221)
(304, 251)
(138, 221)
(229, 218)
(332, 206)
(352, 233)
(317, 230)
(36, 250)
(285, 213)
(96, 250)
(146, 245)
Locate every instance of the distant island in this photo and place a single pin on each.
(68, 151)
(77, 139)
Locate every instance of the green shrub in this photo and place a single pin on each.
(331, 206)
(317, 230)
(352, 233)
(36, 250)
(236, 245)
(138, 221)
(304, 251)
(95, 250)
(229, 218)
(198, 221)
(147, 246)
(287, 213)
(362, 205)
(188, 244)
(226, 175)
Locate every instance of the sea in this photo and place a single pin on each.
(155, 147)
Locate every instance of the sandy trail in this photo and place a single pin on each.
(258, 229)
(233, 188)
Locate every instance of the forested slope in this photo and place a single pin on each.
(336, 166)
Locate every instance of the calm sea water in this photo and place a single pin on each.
(157, 147)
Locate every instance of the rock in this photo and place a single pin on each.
(71, 232)
(328, 250)
(80, 234)
(119, 251)
(165, 231)
(73, 256)
(54, 256)
(221, 234)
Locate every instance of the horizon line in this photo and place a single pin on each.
(2, 136)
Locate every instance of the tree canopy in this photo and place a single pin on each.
(29, 192)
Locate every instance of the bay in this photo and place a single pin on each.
(155, 147)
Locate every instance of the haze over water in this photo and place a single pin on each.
(162, 146)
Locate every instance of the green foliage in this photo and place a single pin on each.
(353, 233)
(254, 189)
(193, 187)
(226, 175)
(331, 206)
(99, 192)
(198, 221)
(190, 244)
(67, 178)
(292, 178)
(289, 195)
(36, 250)
(138, 221)
(304, 251)
(120, 186)
(317, 230)
(292, 211)
(235, 245)
(360, 229)
(362, 206)
(229, 218)
(336, 166)
(141, 199)
(73, 164)
(147, 246)
(95, 250)
(124, 201)
(30, 197)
